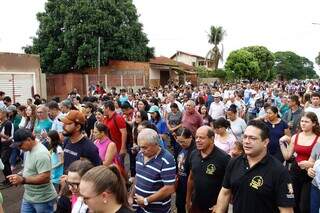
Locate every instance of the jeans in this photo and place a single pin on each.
(14, 155)
(47, 207)
(314, 199)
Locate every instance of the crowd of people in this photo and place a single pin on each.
(237, 147)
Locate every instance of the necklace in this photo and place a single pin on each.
(274, 124)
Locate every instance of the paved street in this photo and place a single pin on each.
(11, 198)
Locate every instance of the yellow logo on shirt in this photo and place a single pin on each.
(211, 168)
(256, 182)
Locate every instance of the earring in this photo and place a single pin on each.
(105, 202)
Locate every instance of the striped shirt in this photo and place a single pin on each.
(152, 176)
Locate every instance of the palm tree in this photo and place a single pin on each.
(215, 54)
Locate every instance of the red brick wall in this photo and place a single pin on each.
(61, 84)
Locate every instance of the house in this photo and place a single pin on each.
(122, 74)
(21, 77)
(191, 59)
(164, 70)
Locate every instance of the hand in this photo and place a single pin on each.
(284, 139)
(15, 179)
(213, 208)
(188, 206)
(44, 134)
(123, 152)
(130, 200)
(139, 200)
(303, 164)
(311, 172)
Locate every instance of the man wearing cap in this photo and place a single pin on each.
(217, 108)
(76, 145)
(39, 194)
(6, 133)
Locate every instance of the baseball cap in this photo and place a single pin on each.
(154, 108)
(74, 116)
(11, 108)
(126, 105)
(21, 135)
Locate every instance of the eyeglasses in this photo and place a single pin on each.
(72, 184)
(39, 112)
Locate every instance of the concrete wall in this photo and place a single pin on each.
(154, 74)
(187, 59)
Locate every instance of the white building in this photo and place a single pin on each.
(21, 77)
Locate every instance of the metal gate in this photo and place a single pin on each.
(19, 87)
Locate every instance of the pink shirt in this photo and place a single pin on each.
(102, 146)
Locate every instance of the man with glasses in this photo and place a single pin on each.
(256, 181)
(39, 194)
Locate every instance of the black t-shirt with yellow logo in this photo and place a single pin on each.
(208, 175)
(260, 189)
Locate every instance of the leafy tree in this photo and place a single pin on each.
(289, 65)
(242, 64)
(265, 59)
(215, 54)
(68, 34)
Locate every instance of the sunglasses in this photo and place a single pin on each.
(72, 184)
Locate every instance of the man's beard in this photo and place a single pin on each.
(66, 134)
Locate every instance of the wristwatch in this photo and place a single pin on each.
(145, 201)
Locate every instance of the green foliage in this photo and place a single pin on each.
(242, 64)
(265, 59)
(289, 65)
(68, 34)
(254, 62)
(203, 72)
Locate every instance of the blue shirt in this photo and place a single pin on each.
(275, 133)
(161, 126)
(152, 176)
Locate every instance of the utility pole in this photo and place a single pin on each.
(99, 60)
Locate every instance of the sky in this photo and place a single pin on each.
(171, 25)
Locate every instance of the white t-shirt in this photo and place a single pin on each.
(217, 110)
(315, 110)
(238, 126)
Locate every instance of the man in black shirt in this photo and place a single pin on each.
(208, 164)
(6, 131)
(257, 181)
(76, 145)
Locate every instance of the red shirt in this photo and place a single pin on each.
(114, 124)
(303, 152)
